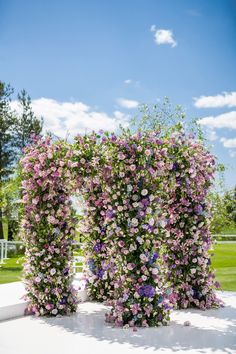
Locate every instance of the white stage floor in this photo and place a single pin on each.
(212, 331)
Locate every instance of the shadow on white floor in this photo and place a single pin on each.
(212, 331)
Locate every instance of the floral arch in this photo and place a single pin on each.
(147, 221)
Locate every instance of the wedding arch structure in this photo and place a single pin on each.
(146, 222)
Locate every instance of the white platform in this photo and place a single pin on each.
(13, 305)
(212, 331)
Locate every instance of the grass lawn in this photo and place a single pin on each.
(224, 261)
(11, 270)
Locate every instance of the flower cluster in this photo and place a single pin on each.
(188, 238)
(49, 225)
(146, 224)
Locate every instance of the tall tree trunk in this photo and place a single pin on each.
(10, 230)
(1, 226)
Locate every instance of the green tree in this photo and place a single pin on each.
(165, 118)
(9, 203)
(16, 131)
(224, 211)
(26, 123)
(230, 202)
(7, 144)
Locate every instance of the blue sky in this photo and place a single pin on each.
(88, 64)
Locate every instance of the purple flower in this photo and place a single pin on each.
(100, 273)
(91, 264)
(146, 291)
(153, 258)
(198, 209)
(97, 248)
(175, 166)
(110, 214)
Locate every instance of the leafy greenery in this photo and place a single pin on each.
(165, 118)
(16, 132)
(224, 212)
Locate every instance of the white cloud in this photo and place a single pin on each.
(232, 153)
(123, 102)
(211, 135)
(128, 81)
(226, 99)
(163, 36)
(63, 118)
(228, 143)
(225, 120)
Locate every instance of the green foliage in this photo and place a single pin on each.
(15, 133)
(230, 204)
(7, 147)
(165, 118)
(26, 122)
(10, 204)
(224, 211)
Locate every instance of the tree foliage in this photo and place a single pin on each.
(16, 129)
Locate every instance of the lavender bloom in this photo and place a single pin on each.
(97, 248)
(110, 214)
(197, 294)
(63, 300)
(100, 273)
(153, 258)
(91, 264)
(146, 291)
(175, 166)
(198, 209)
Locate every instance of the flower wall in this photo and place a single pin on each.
(49, 225)
(188, 237)
(146, 224)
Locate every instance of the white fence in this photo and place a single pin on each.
(6, 246)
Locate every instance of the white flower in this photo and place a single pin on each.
(129, 188)
(120, 208)
(144, 277)
(193, 270)
(144, 192)
(132, 248)
(139, 239)
(53, 271)
(54, 311)
(154, 271)
(163, 223)
(135, 197)
(151, 222)
(143, 257)
(134, 222)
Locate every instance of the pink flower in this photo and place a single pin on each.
(121, 243)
